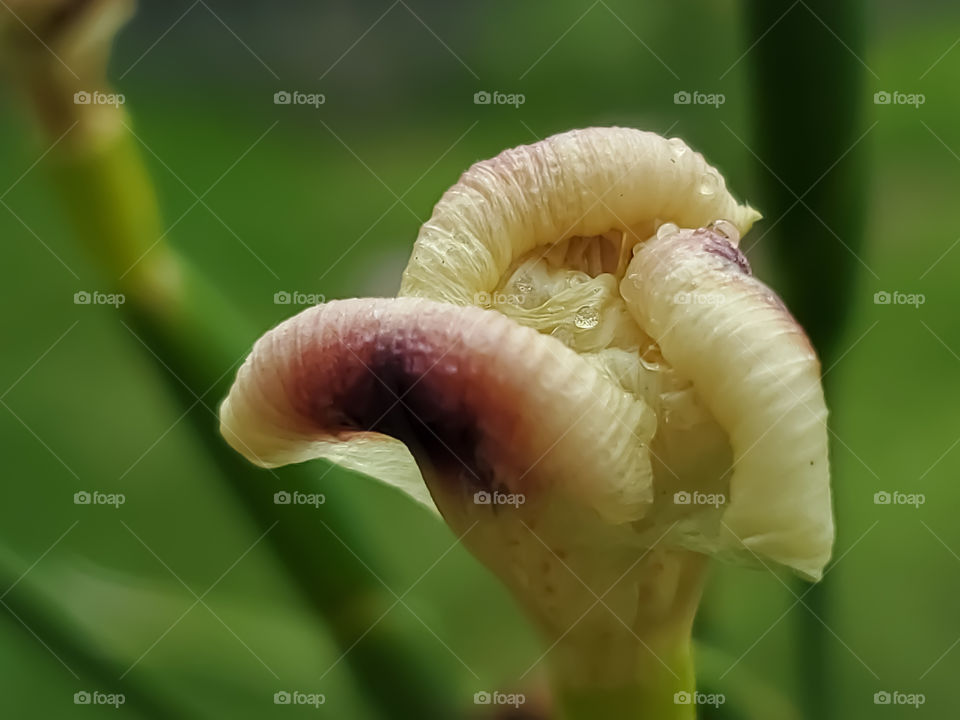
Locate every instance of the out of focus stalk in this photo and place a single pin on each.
(196, 338)
(32, 608)
(808, 72)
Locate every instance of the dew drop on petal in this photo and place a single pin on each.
(649, 365)
(523, 285)
(677, 146)
(709, 183)
(726, 229)
(666, 230)
(587, 317)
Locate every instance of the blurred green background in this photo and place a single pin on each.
(329, 200)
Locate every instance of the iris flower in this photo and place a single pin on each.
(584, 379)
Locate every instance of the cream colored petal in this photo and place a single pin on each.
(582, 183)
(482, 402)
(754, 368)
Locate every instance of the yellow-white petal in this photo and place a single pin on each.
(756, 371)
(579, 184)
(482, 402)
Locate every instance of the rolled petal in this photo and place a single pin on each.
(753, 366)
(580, 184)
(483, 403)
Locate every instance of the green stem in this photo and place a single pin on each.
(32, 607)
(663, 692)
(196, 339)
(605, 669)
(808, 93)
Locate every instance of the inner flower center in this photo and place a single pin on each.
(596, 255)
(571, 291)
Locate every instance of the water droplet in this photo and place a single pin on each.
(677, 146)
(666, 230)
(726, 229)
(523, 285)
(648, 365)
(587, 317)
(709, 182)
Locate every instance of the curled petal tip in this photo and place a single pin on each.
(482, 402)
(755, 369)
(579, 184)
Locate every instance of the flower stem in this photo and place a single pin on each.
(660, 694)
(606, 668)
(197, 339)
